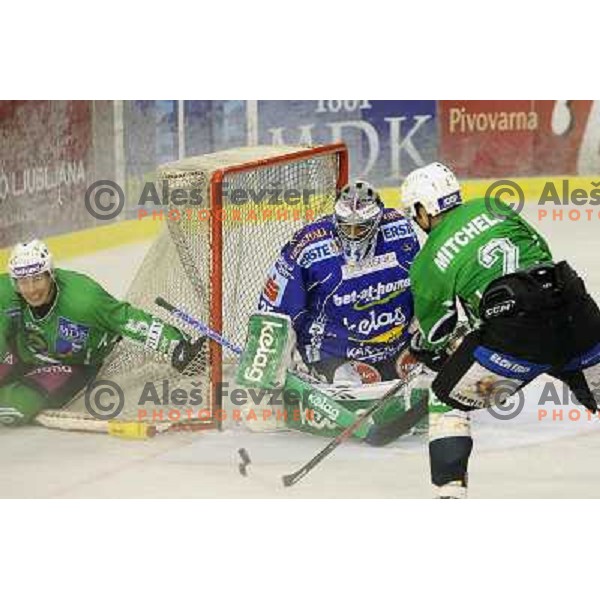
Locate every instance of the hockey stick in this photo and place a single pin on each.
(381, 435)
(217, 337)
(198, 325)
(409, 420)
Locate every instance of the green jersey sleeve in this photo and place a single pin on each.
(8, 300)
(121, 318)
(435, 309)
(82, 326)
(4, 329)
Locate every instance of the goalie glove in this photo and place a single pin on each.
(185, 352)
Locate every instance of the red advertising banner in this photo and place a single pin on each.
(488, 138)
(512, 138)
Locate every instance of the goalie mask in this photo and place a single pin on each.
(357, 214)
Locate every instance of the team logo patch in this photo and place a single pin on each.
(71, 338)
(372, 295)
(28, 270)
(398, 230)
(271, 290)
(318, 252)
(405, 363)
(502, 308)
(449, 201)
(370, 328)
(508, 366)
(303, 238)
(370, 265)
(275, 287)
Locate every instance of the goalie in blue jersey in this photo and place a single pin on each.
(344, 282)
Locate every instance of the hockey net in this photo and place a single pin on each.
(212, 260)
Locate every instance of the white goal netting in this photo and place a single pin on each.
(212, 258)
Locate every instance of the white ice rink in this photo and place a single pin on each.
(523, 458)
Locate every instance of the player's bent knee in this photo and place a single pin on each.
(19, 404)
(449, 424)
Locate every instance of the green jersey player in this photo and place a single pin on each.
(56, 329)
(529, 314)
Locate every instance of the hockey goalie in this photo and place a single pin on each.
(339, 293)
(344, 282)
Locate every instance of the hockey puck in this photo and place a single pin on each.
(244, 461)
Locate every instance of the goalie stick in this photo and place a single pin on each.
(406, 422)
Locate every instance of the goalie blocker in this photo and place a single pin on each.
(265, 364)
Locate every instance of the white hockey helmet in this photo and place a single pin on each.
(434, 186)
(358, 211)
(28, 259)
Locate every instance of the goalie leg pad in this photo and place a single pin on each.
(267, 355)
(310, 400)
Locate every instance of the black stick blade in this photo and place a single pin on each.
(289, 480)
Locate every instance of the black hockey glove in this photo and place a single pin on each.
(185, 352)
(588, 401)
(432, 359)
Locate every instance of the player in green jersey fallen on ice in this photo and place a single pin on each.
(57, 327)
(529, 314)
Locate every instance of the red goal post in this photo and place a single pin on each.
(338, 150)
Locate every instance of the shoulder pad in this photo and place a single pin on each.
(313, 233)
(395, 226)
